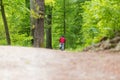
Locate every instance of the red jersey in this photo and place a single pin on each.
(62, 40)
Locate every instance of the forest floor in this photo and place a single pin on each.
(22, 63)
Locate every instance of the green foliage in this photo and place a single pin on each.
(18, 18)
(73, 24)
(87, 21)
(50, 2)
(34, 14)
(21, 40)
(101, 18)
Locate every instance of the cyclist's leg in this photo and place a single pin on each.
(62, 46)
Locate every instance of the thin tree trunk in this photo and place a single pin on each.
(5, 24)
(64, 18)
(64, 21)
(48, 30)
(39, 25)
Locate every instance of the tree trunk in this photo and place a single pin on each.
(64, 18)
(32, 7)
(39, 24)
(5, 24)
(64, 21)
(48, 30)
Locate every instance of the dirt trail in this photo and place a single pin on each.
(20, 63)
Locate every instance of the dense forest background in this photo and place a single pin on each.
(82, 22)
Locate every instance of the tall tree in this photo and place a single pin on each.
(39, 24)
(5, 23)
(49, 26)
(64, 13)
